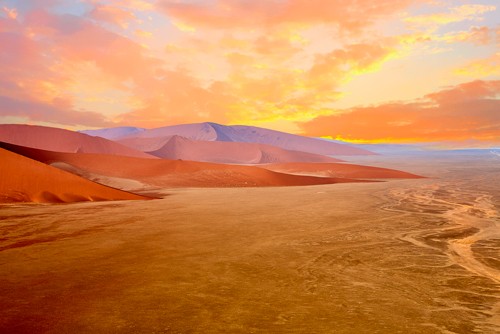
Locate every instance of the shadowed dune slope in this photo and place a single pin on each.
(173, 173)
(113, 133)
(340, 170)
(60, 140)
(26, 180)
(232, 152)
(147, 144)
(251, 134)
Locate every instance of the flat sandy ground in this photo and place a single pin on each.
(414, 256)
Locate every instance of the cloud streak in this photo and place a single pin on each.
(58, 111)
(464, 112)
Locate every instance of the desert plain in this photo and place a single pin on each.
(402, 256)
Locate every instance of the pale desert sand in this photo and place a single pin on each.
(405, 256)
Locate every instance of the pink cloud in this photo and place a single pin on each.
(113, 15)
(58, 111)
(11, 12)
(44, 52)
(234, 14)
(178, 98)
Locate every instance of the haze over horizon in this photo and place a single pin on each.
(366, 72)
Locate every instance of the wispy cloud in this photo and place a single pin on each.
(455, 14)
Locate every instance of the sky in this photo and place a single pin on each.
(364, 71)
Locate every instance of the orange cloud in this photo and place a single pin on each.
(58, 111)
(178, 99)
(113, 15)
(297, 95)
(456, 14)
(183, 26)
(138, 5)
(476, 35)
(222, 14)
(143, 33)
(352, 60)
(46, 54)
(11, 12)
(253, 62)
(464, 112)
(481, 67)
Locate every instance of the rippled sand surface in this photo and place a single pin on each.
(414, 256)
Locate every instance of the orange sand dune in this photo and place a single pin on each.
(173, 173)
(26, 180)
(340, 170)
(147, 144)
(60, 140)
(232, 152)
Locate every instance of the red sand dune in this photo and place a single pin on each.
(232, 152)
(173, 173)
(250, 134)
(340, 170)
(60, 140)
(26, 180)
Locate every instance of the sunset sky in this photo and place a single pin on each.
(362, 71)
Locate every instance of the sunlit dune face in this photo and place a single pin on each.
(364, 70)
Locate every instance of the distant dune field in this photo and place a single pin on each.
(232, 152)
(173, 173)
(152, 139)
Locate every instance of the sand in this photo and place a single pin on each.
(171, 173)
(343, 258)
(26, 180)
(340, 170)
(247, 134)
(231, 152)
(60, 140)
(147, 144)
